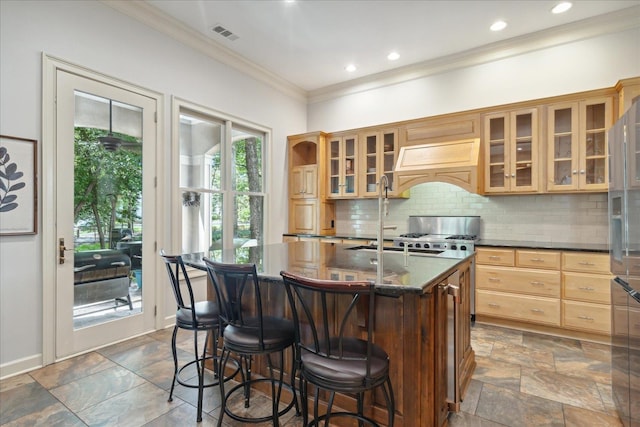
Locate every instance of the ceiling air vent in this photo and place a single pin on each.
(219, 29)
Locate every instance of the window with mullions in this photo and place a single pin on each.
(221, 182)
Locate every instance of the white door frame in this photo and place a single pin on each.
(50, 66)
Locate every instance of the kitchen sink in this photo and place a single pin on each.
(411, 251)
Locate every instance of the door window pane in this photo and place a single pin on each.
(107, 206)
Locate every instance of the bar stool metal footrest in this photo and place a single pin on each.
(266, 418)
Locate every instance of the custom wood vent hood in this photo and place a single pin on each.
(455, 162)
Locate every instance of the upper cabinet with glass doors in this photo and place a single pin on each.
(379, 152)
(343, 166)
(511, 151)
(577, 144)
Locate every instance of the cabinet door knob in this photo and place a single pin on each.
(582, 171)
(575, 172)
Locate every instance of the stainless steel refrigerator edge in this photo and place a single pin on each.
(624, 239)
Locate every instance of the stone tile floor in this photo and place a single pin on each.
(522, 379)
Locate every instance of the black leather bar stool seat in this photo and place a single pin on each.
(250, 332)
(196, 316)
(334, 354)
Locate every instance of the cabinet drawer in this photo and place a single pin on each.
(586, 316)
(585, 262)
(534, 282)
(538, 259)
(488, 256)
(587, 287)
(519, 307)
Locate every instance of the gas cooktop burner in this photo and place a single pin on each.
(413, 235)
(462, 237)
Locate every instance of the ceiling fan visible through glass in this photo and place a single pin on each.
(110, 142)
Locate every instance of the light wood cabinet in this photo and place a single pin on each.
(577, 144)
(628, 92)
(586, 294)
(512, 144)
(303, 182)
(520, 281)
(508, 288)
(343, 159)
(525, 308)
(309, 211)
(378, 155)
(563, 291)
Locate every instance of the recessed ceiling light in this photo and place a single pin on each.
(350, 68)
(498, 26)
(393, 56)
(561, 7)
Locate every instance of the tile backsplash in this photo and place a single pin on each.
(563, 218)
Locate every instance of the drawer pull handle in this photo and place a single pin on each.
(590, 319)
(537, 310)
(586, 288)
(587, 263)
(494, 305)
(494, 257)
(537, 260)
(494, 279)
(537, 283)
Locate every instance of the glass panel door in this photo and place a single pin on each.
(105, 145)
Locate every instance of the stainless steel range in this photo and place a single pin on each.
(440, 232)
(427, 232)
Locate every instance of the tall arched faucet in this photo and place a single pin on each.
(383, 210)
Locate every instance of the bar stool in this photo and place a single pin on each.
(324, 312)
(250, 332)
(202, 316)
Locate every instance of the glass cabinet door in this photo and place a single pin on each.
(596, 123)
(524, 150)
(389, 143)
(563, 149)
(512, 145)
(578, 144)
(343, 169)
(334, 167)
(371, 159)
(496, 141)
(349, 165)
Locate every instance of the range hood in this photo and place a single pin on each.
(455, 162)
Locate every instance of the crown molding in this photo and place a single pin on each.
(158, 20)
(613, 22)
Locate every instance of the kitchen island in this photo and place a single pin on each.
(425, 331)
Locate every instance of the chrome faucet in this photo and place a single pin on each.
(383, 210)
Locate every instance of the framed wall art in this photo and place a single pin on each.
(18, 186)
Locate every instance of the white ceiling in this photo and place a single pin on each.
(308, 43)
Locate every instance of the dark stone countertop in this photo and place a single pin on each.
(413, 273)
(560, 246)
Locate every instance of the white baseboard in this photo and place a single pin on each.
(20, 366)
